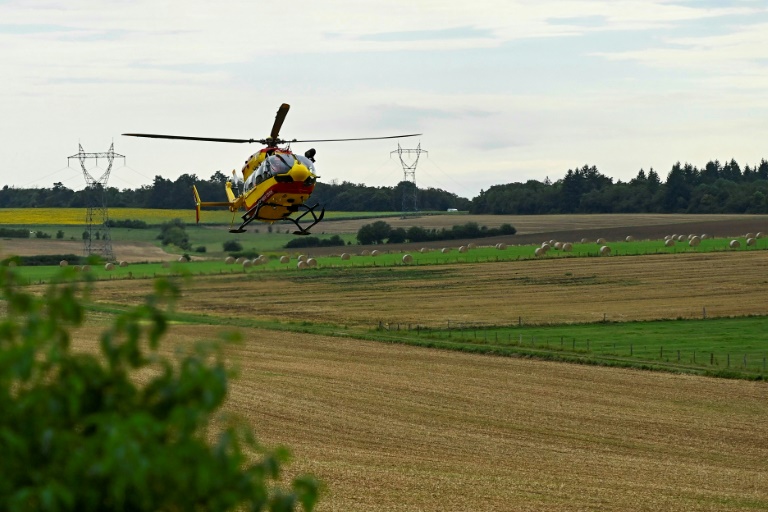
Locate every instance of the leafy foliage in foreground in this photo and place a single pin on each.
(79, 431)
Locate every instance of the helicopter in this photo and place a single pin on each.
(275, 182)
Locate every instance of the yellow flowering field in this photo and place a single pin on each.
(76, 216)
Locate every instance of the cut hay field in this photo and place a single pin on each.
(389, 427)
(548, 291)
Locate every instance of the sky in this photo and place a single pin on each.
(501, 90)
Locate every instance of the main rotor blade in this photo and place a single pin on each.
(361, 138)
(279, 118)
(182, 137)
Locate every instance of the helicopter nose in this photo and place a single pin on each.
(299, 173)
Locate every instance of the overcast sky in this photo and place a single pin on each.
(502, 90)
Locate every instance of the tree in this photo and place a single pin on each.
(174, 233)
(79, 431)
(232, 246)
(374, 233)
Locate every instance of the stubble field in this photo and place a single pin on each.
(392, 427)
(573, 290)
(400, 428)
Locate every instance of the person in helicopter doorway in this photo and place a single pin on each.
(310, 153)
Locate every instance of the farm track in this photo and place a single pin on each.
(389, 427)
(555, 291)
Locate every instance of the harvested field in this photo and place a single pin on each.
(401, 428)
(127, 251)
(540, 291)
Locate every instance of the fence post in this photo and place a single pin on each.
(631, 350)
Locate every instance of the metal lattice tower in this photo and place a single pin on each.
(409, 174)
(97, 239)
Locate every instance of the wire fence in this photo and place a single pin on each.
(673, 352)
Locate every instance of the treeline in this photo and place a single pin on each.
(715, 188)
(379, 231)
(167, 194)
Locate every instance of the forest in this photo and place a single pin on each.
(715, 188)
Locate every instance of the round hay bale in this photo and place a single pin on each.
(694, 241)
(86, 268)
(558, 246)
(471, 246)
(674, 236)
(229, 260)
(109, 267)
(123, 264)
(734, 244)
(63, 263)
(545, 247)
(667, 237)
(669, 242)
(751, 242)
(263, 259)
(374, 253)
(365, 252)
(312, 262)
(240, 260)
(630, 238)
(462, 249)
(11, 263)
(77, 268)
(600, 240)
(182, 259)
(705, 236)
(302, 257)
(552, 243)
(423, 250)
(502, 246)
(680, 238)
(584, 241)
(247, 264)
(407, 258)
(749, 235)
(759, 234)
(539, 252)
(285, 259)
(605, 251)
(302, 265)
(345, 256)
(445, 250)
(567, 247)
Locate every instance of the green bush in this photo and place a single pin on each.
(232, 246)
(80, 432)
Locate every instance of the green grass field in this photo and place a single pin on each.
(715, 346)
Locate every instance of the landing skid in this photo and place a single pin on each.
(253, 214)
(315, 217)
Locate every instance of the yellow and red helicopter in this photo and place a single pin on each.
(275, 183)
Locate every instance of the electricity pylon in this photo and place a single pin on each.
(409, 174)
(96, 239)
